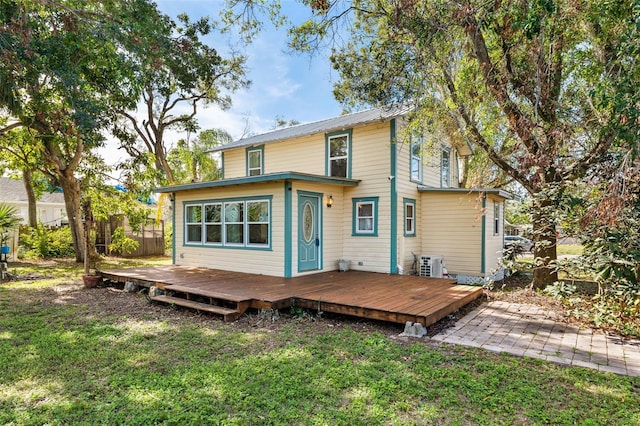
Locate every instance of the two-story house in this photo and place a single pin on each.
(295, 201)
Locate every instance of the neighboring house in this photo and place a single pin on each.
(51, 208)
(295, 201)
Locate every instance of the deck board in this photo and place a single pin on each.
(393, 298)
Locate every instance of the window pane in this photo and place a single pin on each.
(410, 210)
(234, 234)
(212, 213)
(365, 224)
(259, 234)
(258, 211)
(365, 210)
(233, 212)
(415, 169)
(339, 167)
(214, 234)
(194, 233)
(194, 214)
(255, 159)
(338, 146)
(445, 182)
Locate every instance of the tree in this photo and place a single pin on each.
(21, 153)
(534, 84)
(178, 71)
(65, 68)
(192, 160)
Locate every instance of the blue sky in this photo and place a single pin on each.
(288, 85)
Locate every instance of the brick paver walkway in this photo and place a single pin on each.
(528, 330)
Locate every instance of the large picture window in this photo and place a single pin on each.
(230, 223)
(338, 154)
(365, 216)
(416, 158)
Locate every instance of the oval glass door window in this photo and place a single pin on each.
(307, 222)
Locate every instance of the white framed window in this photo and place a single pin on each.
(234, 223)
(365, 217)
(229, 223)
(193, 224)
(255, 161)
(445, 168)
(338, 154)
(496, 218)
(258, 222)
(416, 158)
(213, 223)
(409, 217)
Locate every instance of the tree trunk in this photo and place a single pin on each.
(545, 250)
(31, 198)
(72, 200)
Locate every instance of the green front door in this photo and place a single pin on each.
(309, 244)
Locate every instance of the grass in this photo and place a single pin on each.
(572, 249)
(68, 361)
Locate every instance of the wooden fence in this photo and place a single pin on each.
(150, 238)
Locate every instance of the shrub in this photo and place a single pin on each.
(121, 244)
(43, 242)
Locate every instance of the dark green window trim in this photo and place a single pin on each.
(246, 245)
(373, 216)
(254, 149)
(327, 150)
(409, 202)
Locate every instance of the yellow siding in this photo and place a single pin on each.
(452, 227)
(267, 262)
(371, 164)
(234, 163)
(407, 189)
(494, 242)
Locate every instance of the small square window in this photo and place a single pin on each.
(365, 216)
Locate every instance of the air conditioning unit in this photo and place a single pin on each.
(431, 266)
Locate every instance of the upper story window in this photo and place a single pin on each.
(416, 158)
(255, 161)
(496, 218)
(338, 149)
(365, 217)
(445, 168)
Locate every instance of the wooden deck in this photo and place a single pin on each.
(393, 298)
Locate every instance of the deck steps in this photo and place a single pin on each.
(228, 314)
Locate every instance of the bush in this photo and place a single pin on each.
(121, 244)
(42, 242)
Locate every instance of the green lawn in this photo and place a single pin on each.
(70, 356)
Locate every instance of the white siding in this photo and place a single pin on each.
(267, 262)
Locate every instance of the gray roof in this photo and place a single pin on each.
(12, 190)
(332, 124)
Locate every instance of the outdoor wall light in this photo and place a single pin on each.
(330, 201)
